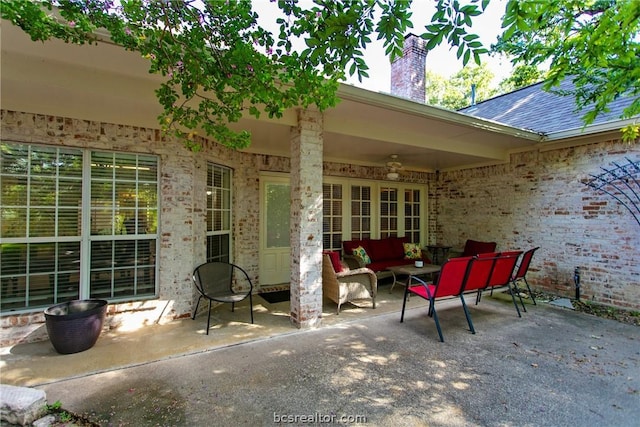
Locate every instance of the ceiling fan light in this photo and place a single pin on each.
(393, 176)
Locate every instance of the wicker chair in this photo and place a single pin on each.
(348, 285)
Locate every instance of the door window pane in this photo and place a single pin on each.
(278, 203)
(360, 212)
(332, 216)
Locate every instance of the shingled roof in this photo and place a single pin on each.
(540, 111)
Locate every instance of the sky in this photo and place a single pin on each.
(441, 60)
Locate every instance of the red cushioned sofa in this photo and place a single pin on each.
(384, 253)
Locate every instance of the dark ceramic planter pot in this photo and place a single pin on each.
(75, 326)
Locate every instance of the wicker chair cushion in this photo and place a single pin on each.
(334, 256)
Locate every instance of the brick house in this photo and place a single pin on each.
(97, 202)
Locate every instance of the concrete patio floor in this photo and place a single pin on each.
(38, 363)
(552, 367)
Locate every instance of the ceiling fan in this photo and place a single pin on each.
(394, 168)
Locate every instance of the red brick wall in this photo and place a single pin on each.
(539, 199)
(408, 72)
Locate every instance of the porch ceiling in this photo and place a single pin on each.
(107, 83)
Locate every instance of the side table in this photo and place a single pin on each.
(410, 271)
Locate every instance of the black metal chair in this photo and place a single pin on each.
(222, 282)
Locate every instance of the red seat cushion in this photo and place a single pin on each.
(335, 260)
(421, 290)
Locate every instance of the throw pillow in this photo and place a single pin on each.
(362, 254)
(412, 251)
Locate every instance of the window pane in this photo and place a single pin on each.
(14, 222)
(14, 159)
(126, 168)
(69, 192)
(44, 161)
(69, 163)
(69, 222)
(13, 191)
(218, 248)
(43, 191)
(277, 213)
(102, 165)
(366, 209)
(148, 169)
(42, 222)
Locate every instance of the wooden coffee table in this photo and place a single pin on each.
(411, 271)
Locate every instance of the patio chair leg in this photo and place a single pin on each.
(467, 315)
(513, 297)
(196, 309)
(251, 307)
(529, 289)
(404, 303)
(209, 317)
(435, 318)
(516, 289)
(233, 307)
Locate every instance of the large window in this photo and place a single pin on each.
(75, 224)
(218, 213)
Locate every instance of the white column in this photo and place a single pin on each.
(306, 220)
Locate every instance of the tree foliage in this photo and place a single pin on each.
(521, 76)
(594, 42)
(456, 92)
(219, 63)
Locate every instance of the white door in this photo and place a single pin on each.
(275, 250)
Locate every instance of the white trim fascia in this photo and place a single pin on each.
(591, 129)
(403, 105)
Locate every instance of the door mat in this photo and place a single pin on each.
(274, 297)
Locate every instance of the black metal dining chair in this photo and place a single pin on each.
(222, 282)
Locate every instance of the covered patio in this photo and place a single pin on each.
(477, 179)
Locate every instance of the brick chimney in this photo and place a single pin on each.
(408, 71)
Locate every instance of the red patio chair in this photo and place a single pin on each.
(502, 274)
(450, 283)
(480, 273)
(522, 272)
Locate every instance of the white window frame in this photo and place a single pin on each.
(376, 186)
(84, 237)
(228, 210)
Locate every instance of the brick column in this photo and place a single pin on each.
(306, 220)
